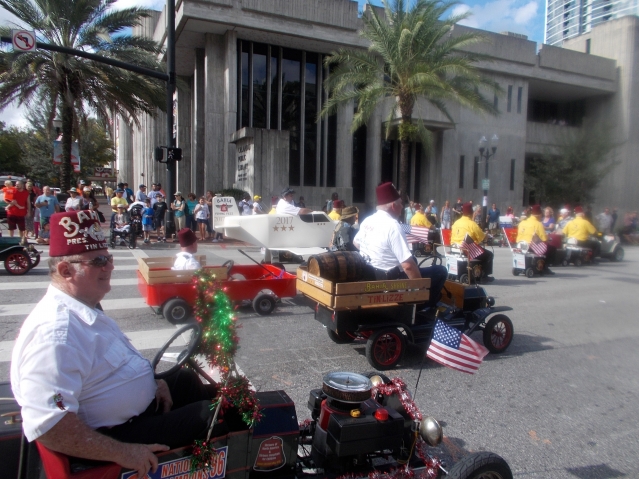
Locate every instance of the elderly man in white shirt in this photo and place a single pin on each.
(188, 245)
(286, 207)
(383, 244)
(84, 390)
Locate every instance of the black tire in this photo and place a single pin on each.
(515, 272)
(264, 304)
(385, 348)
(498, 333)
(176, 311)
(578, 261)
(564, 262)
(480, 465)
(340, 337)
(618, 254)
(17, 263)
(463, 279)
(530, 273)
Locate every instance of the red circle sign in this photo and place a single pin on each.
(24, 40)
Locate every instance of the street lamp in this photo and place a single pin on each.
(486, 151)
(57, 124)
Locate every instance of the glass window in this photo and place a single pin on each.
(244, 116)
(260, 107)
(461, 170)
(476, 173)
(520, 94)
(310, 126)
(509, 99)
(291, 104)
(359, 164)
(275, 100)
(512, 174)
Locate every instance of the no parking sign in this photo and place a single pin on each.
(23, 40)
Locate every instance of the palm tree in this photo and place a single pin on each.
(412, 54)
(76, 87)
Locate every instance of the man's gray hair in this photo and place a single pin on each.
(388, 206)
(54, 261)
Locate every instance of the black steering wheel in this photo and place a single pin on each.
(229, 266)
(181, 357)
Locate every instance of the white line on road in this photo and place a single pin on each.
(45, 284)
(151, 339)
(107, 304)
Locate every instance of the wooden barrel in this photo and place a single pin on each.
(337, 266)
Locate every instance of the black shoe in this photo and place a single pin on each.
(548, 272)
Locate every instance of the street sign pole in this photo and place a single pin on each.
(170, 91)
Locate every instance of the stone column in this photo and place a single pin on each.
(214, 143)
(183, 125)
(373, 156)
(197, 131)
(344, 140)
(230, 105)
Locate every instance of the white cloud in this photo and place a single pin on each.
(152, 4)
(14, 116)
(503, 15)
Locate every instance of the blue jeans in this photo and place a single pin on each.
(437, 275)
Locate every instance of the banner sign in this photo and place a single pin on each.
(75, 155)
(223, 206)
(181, 469)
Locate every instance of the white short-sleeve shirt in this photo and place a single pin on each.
(285, 208)
(72, 358)
(185, 261)
(382, 240)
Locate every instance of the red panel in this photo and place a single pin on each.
(56, 466)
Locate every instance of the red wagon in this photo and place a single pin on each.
(174, 294)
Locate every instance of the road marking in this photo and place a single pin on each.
(45, 284)
(107, 304)
(142, 340)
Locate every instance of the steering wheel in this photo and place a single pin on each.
(181, 357)
(229, 266)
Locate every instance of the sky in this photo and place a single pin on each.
(518, 16)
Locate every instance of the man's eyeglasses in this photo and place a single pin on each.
(99, 261)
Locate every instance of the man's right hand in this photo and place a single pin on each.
(141, 457)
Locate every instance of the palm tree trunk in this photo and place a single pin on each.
(404, 139)
(67, 141)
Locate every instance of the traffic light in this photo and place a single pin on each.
(174, 154)
(158, 154)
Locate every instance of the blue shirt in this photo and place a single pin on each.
(147, 216)
(493, 215)
(48, 210)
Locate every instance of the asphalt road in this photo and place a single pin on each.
(560, 403)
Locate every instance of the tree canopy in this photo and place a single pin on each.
(571, 172)
(75, 87)
(412, 54)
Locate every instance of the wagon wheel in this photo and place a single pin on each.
(481, 465)
(498, 333)
(34, 256)
(385, 348)
(341, 336)
(17, 263)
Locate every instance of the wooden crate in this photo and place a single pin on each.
(362, 294)
(158, 270)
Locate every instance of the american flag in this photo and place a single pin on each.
(538, 246)
(454, 349)
(473, 248)
(415, 234)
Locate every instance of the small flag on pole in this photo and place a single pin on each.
(538, 246)
(471, 247)
(454, 349)
(415, 234)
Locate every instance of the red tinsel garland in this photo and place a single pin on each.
(397, 386)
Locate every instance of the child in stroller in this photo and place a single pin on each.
(121, 231)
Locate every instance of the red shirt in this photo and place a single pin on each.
(22, 198)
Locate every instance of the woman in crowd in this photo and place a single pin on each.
(446, 216)
(191, 203)
(30, 225)
(549, 219)
(178, 206)
(201, 214)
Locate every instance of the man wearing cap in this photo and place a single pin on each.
(128, 193)
(564, 219)
(258, 209)
(118, 199)
(285, 205)
(419, 218)
(433, 208)
(345, 231)
(382, 243)
(140, 195)
(188, 247)
(17, 210)
(336, 211)
(154, 194)
(84, 390)
(581, 229)
(531, 227)
(466, 226)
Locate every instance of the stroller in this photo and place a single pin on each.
(128, 235)
(135, 211)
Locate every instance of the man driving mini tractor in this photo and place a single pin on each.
(85, 391)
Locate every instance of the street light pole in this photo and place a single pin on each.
(485, 154)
